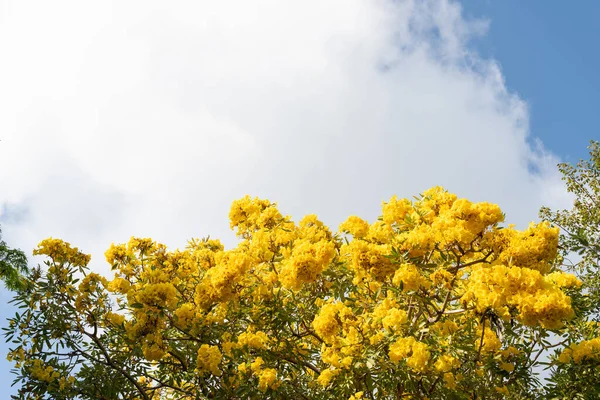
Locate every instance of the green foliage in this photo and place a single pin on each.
(13, 264)
(580, 242)
(580, 247)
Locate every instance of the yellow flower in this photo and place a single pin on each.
(163, 295)
(255, 340)
(578, 352)
(401, 348)
(503, 390)
(356, 396)
(446, 327)
(61, 252)
(92, 282)
(394, 211)
(368, 259)
(257, 364)
(355, 226)
(562, 279)
(267, 379)
(327, 322)
(538, 300)
(185, 315)
(326, 376)
(410, 278)
(249, 215)
(415, 353)
(490, 344)
(115, 319)
(43, 372)
(508, 367)
(445, 363)
(242, 368)
(119, 285)
(534, 248)
(376, 338)
(306, 262)
(346, 362)
(419, 358)
(449, 380)
(209, 358)
(394, 319)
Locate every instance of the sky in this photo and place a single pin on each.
(148, 118)
(546, 50)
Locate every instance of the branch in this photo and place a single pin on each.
(116, 367)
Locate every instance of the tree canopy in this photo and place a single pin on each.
(580, 249)
(436, 299)
(13, 263)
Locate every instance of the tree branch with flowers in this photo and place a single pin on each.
(435, 299)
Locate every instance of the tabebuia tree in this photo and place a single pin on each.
(434, 300)
(578, 371)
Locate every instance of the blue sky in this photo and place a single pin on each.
(150, 122)
(549, 54)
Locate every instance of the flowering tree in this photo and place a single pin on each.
(433, 300)
(577, 370)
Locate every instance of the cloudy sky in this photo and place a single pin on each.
(121, 118)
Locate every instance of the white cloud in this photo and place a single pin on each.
(148, 118)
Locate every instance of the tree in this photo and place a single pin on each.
(580, 247)
(13, 263)
(433, 300)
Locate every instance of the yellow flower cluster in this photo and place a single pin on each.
(185, 315)
(115, 319)
(341, 332)
(88, 288)
(533, 248)
(357, 396)
(119, 285)
(160, 295)
(387, 315)
(209, 358)
(330, 320)
(17, 355)
(62, 253)
(327, 375)
(579, 352)
(219, 282)
(306, 261)
(253, 340)
(368, 259)
(445, 363)
(409, 277)
(445, 328)
(249, 215)
(43, 372)
(537, 299)
(439, 220)
(267, 378)
(486, 339)
(414, 352)
(153, 346)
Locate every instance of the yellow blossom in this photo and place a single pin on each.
(209, 358)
